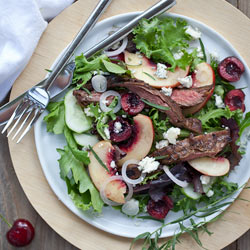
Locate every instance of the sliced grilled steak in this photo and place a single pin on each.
(194, 147)
(153, 95)
(190, 97)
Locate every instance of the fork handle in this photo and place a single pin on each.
(91, 21)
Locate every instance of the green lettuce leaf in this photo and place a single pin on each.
(160, 38)
(55, 119)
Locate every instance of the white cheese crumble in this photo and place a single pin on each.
(131, 207)
(161, 144)
(178, 55)
(148, 165)
(112, 164)
(194, 33)
(167, 91)
(117, 127)
(161, 71)
(106, 132)
(139, 55)
(88, 112)
(219, 102)
(171, 135)
(133, 71)
(210, 193)
(214, 55)
(205, 179)
(186, 82)
(124, 116)
(199, 52)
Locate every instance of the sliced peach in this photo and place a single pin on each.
(203, 75)
(144, 69)
(211, 166)
(114, 190)
(140, 143)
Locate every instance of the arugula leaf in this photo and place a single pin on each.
(245, 123)
(55, 119)
(113, 68)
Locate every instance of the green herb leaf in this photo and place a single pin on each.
(98, 159)
(155, 105)
(149, 75)
(203, 50)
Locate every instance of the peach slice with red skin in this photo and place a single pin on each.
(140, 143)
(144, 69)
(115, 190)
(203, 76)
(211, 166)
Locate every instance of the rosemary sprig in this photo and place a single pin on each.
(98, 158)
(202, 212)
(154, 105)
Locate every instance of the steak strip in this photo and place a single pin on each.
(194, 147)
(155, 96)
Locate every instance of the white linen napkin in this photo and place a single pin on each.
(22, 23)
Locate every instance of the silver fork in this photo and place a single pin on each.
(34, 102)
(37, 98)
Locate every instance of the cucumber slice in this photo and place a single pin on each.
(85, 140)
(189, 192)
(75, 118)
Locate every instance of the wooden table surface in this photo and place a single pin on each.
(14, 204)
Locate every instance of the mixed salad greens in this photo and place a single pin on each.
(152, 124)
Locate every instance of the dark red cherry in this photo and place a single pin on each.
(119, 129)
(159, 209)
(231, 69)
(234, 99)
(21, 233)
(117, 58)
(132, 103)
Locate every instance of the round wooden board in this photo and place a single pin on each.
(218, 14)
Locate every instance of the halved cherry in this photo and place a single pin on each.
(119, 129)
(132, 103)
(231, 69)
(159, 209)
(117, 58)
(235, 100)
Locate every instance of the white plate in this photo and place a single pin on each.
(111, 220)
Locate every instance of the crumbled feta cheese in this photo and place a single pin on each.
(186, 82)
(133, 71)
(205, 179)
(117, 127)
(124, 116)
(161, 71)
(178, 55)
(167, 91)
(171, 135)
(210, 193)
(199, 52)
(214, 55)
(88, 112)
(131, 207)
(106, 132)
(139, 55)
(219, 102)
(194, 33)
(112, 164)
(148, 165)
(161, 144)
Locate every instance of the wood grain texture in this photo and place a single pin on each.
(13, 202)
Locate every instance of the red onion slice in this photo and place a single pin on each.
(174, 179)
(99, 83)
(119, 50)
(103, 187)
(103, 101)
(124, 172)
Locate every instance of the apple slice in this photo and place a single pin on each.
(211, 166)
(114, 190)
(140, 143)
(144, 69)
(203, 75)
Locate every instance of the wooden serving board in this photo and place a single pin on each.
(218, 14)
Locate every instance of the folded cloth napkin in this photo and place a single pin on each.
(22, 23)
